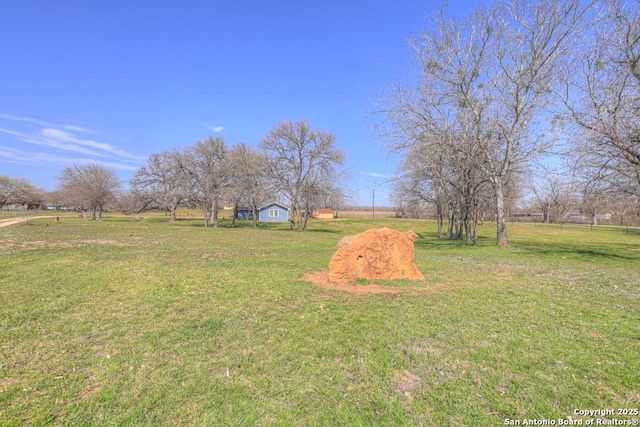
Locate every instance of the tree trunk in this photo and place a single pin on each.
(467, 227)
(440, 215)
(547, 214)
(450, 225)
(306, 217)
(254, 210)
(234, 214)
(172, 211)
(503, 240)
(205, 214)
(214, 212)
(476, 213)
(474, 238)
(297, 218)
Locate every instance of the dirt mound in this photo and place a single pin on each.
(321, 278)
(377, 254)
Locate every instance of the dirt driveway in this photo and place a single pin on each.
(8, 222)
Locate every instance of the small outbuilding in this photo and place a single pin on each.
(244, 213)
(326, 213)
(273, 212)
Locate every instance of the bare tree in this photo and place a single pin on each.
(602, 97)
(133, 201)
(622, 207)
(19, 191)
(326, 193)
(299, 159)
(432, 173)
(553, 196)
(411, 201)
(595, 198)
(163, 180)
(90, 187)
(249, 184)
(204, 166)
(485, 86)
(6, 190)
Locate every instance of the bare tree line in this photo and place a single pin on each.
(293, 163)
(18, 191)
(559, 197)
(498, 90)
(92, 187)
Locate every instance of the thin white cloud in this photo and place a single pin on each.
(29, 158)
(52, 143)
(216, 129)
(376, 175)
(64, 139)
(42, 123)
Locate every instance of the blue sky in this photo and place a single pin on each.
(113, 82)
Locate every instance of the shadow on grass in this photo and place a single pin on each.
(614, 252)
(430, 239)
(324, 230)
(558, 249)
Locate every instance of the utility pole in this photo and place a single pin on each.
(373, 202)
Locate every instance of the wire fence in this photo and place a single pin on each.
(13, 213)
(625, 229)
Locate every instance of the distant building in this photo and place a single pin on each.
(229, 206)
(577, 216)
(323, 213)
(273, 212)
(244, 213)
(527, 216)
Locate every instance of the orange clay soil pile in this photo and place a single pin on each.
(378, 254)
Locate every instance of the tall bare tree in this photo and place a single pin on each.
(596, 196)
(207, 176)
(299, 159)
(133, 201)
(603, 94)
(19, 191)
(163, 180)
(553, 195)
(327, 193)
(433, 173)
(248, 184)
(622, 207)
(89, 187)
(6, 190)
(485, 84)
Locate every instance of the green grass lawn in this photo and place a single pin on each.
(141, 322)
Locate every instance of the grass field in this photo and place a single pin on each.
(141, 322)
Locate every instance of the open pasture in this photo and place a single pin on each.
(133, 321)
